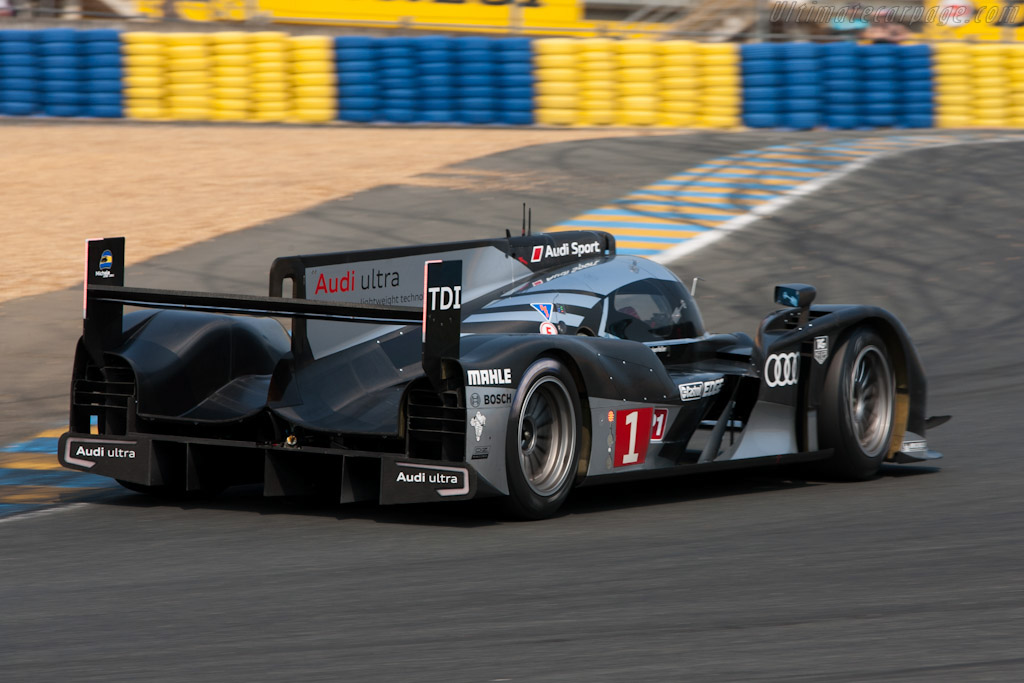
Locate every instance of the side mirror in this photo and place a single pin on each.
(795, 295)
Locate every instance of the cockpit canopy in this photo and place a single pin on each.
(623, 297)
(652, 310)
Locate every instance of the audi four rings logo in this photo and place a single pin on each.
(782, 369)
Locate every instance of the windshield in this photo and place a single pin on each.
(653, 310)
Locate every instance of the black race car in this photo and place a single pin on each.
(517, 367)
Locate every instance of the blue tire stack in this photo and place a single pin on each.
(436, 85)
(62, 79)
(476, 70)
(398, 71)
(841, 85)
(915, 88)
(762, 84)
(359, 88)
(101, 57)
(880, 76)
(802, 92)
(514, 57)
(19, 73)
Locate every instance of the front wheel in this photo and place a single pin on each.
(543, 442)
(858, 407)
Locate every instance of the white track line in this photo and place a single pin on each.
(803, 190)
(45, 512)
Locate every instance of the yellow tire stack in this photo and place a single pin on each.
(1015, 73)
(313, 79)
(270, 75)
(557, 85)
(953, 69)
(679, 82)
(990, 85)
(188, 76)
(721, 88)
(232, 87)
(598, 81)
(144, 80)
(638, 83)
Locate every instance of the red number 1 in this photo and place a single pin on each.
(632, 436)
(658, 425)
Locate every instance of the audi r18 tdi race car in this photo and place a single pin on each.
(518, 367)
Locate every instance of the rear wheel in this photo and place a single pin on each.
(858, 406)
(543, 442)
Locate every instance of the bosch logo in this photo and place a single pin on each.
(782, 369)
(497, 399)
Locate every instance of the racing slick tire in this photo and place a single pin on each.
(858, 407)
(544, 437)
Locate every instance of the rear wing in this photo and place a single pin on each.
(423, 285)
(392, 278)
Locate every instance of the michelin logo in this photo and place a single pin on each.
(692, 391)
(106, 263)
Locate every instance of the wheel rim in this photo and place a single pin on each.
(547, 436)
(871, 400)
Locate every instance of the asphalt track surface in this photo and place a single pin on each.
(915, 576)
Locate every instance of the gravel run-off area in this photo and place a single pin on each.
(164, 186)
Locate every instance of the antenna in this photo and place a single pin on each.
(693, 286)
(524, 219)
(508, 234)
(529, 222)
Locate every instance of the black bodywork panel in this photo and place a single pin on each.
(363, 400)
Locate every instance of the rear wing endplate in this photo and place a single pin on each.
(105, 296)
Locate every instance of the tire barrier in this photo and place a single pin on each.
(435, 79)
(313, 79)
(721, 91)
(188, 76)
(270, 76)
(144, 56)
(679, 85)
(20, 73)
(990, 87)
(916, 93)
(1016, 77)
(600, 82)
(102, 73)
(842, 88)
(60, 72)
(838, 85)
(978, 85)
(763, 100)
(230, 76)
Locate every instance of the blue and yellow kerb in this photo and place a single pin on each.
(32, 479)
(707, 197)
